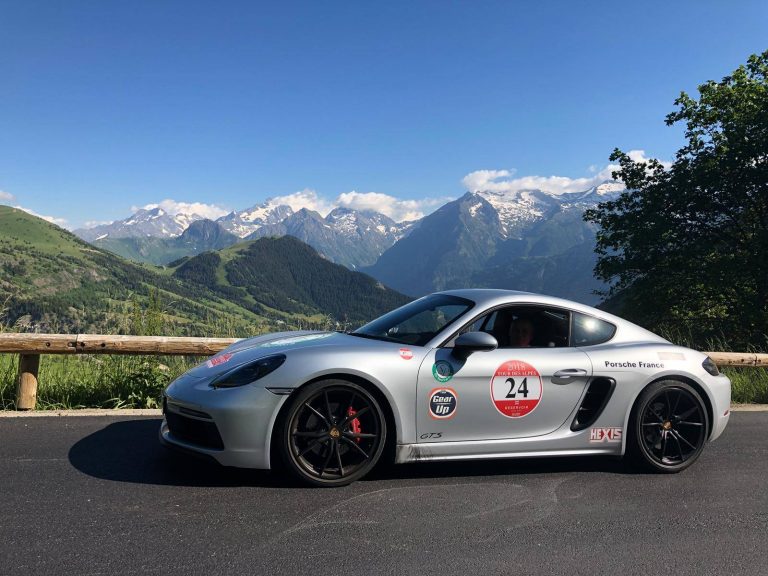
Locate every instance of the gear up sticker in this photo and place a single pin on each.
(516, 389)
(443, 403)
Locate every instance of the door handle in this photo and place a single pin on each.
(566, 375)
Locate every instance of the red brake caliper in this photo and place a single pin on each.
(356, 428)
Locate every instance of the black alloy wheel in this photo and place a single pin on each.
(333, 434)
(671, 426)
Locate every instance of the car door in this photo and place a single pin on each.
(507, 393)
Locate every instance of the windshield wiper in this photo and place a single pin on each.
(372, 337)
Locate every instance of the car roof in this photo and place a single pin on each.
(486, 298)
(493, 296)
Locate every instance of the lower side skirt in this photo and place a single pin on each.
(445, 452)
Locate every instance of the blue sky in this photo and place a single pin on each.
(105, 106)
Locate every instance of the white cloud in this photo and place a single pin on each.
(52, 219)
(211, 211)
(395, 208)
(503, 181)
(94, 223)
(6, 196)
(306, 198)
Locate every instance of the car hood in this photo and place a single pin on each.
(252, 349)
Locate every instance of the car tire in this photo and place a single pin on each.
(668, 428)
(332, 434)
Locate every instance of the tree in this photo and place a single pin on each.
(685, 248)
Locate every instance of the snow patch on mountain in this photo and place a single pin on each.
(518, 209)
(245, 222)
(155, 222)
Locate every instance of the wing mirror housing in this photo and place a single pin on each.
(470, 342)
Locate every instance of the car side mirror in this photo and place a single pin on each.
(470, 342)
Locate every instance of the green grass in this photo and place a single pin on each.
(749, 385)
(103, 381)
(95, 381)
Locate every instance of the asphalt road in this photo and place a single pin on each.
(98, 495)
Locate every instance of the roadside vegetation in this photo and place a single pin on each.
(749, 385)
(684, 247)
(120, 381)
(94, 381)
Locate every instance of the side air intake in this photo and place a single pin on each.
(596, 397)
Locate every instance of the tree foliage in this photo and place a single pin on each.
(685, 248)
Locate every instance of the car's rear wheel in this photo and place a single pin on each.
(670, 427)
(333, 433)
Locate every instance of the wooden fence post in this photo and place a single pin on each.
(26, 393)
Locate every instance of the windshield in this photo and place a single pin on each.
(418, 322)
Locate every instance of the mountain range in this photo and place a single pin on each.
(527, 240)
(52, 281)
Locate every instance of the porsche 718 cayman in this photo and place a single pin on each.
(456, 375)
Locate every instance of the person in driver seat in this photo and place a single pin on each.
(520, 333)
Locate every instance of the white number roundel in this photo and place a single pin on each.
(516, 389)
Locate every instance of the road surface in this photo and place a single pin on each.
(98, 495)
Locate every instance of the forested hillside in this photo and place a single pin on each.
(286, 274)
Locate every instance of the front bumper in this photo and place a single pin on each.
(231, 425)
(720, 396)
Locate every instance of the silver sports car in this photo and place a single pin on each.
(455, 375)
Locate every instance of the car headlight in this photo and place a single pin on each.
(250, 372)
(710, 366)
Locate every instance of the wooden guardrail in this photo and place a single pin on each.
(31, 346)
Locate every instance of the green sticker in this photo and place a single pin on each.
(442, 371)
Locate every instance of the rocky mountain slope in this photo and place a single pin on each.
(200, 236)
(526, 240)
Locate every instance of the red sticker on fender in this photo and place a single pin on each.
(516, 389)
(406, 353)
(216, 360)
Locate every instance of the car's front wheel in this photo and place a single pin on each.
(333, 433)
(669, 428)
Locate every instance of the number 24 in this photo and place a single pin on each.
(522, 388)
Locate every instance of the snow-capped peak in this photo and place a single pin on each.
(609, 187)
(519, 208)
(245, 222)
(142, 223)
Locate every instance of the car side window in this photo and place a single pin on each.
(525, 326)
(589, 331)
(482, 324)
